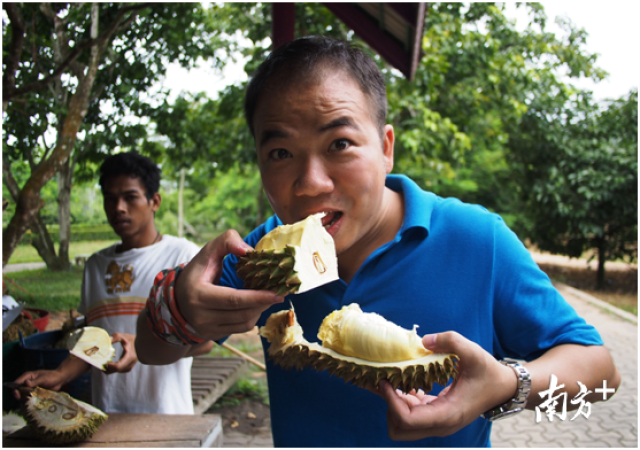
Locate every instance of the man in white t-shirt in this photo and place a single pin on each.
(115, 288)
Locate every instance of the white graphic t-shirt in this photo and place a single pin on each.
(114, 291)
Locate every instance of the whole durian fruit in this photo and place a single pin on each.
(91, 344)
(291, 259)
(57, 418)
(362, 348)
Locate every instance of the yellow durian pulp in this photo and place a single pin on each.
(369, 336)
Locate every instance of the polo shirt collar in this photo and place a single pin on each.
(418, 204)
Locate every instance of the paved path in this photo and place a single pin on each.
(611, 424)
(23, 266)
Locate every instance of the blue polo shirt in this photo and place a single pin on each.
(452, 266)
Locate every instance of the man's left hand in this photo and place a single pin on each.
(129, 355)
(481, 383)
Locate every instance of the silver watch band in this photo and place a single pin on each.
(517, 403)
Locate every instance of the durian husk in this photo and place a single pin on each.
(92, 345)
(290, 350)
(57, 418)
(270, 270)
(291, 259)
(12, 422)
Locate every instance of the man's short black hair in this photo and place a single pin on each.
(133, 165)
(305, 59)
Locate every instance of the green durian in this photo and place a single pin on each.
(57, 418)
(291, 259)
(365, 348)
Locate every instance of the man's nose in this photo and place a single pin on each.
(121, 204)
(313, 179)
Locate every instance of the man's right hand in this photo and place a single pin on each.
(48, 379)
(214, 311)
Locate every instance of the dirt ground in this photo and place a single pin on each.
(245, 417)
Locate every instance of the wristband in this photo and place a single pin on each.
(163, 315)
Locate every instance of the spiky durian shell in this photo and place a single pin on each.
(290, 350)
(270, 270)
(57, 418)
(406, 375)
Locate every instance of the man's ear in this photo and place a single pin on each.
(388, 138)
(155, 201)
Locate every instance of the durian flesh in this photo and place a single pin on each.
(58, 418)
(383, 351)
(291, 259)
(93, 345)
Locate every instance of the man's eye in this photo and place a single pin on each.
(279, 153)
(340, 144)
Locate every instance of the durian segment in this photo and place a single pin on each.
(291, 259)
(12, 422)
(58, 418)
(93, 345)
(289, 349)
(352, 332)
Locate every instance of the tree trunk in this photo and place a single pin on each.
(41, 240)
(181, 204)
(602, 255)
(65, 179)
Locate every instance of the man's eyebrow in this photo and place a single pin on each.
(270, 134)
(340, 122)
(130, 191)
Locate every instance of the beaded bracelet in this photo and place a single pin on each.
(163, 315)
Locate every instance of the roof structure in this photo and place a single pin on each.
(394, 30)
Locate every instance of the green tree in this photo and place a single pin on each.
(71, 74)
(475, 81)
(579, 170)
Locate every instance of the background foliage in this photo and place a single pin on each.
(492, 117)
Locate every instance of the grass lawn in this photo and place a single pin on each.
(27, 253)
(44, 289)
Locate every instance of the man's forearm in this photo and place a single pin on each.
(71, 368)
(152, 350)
(570, 363)
(200, 349)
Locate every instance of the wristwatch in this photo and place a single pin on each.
(517, 403)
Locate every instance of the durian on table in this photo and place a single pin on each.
(92, 345)
(58, 418)
(362, 348)
(291, 259)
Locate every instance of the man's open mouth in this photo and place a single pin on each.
(330, 218)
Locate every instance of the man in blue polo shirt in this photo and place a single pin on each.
(317, 111)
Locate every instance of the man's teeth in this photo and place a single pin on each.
(335, 217)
